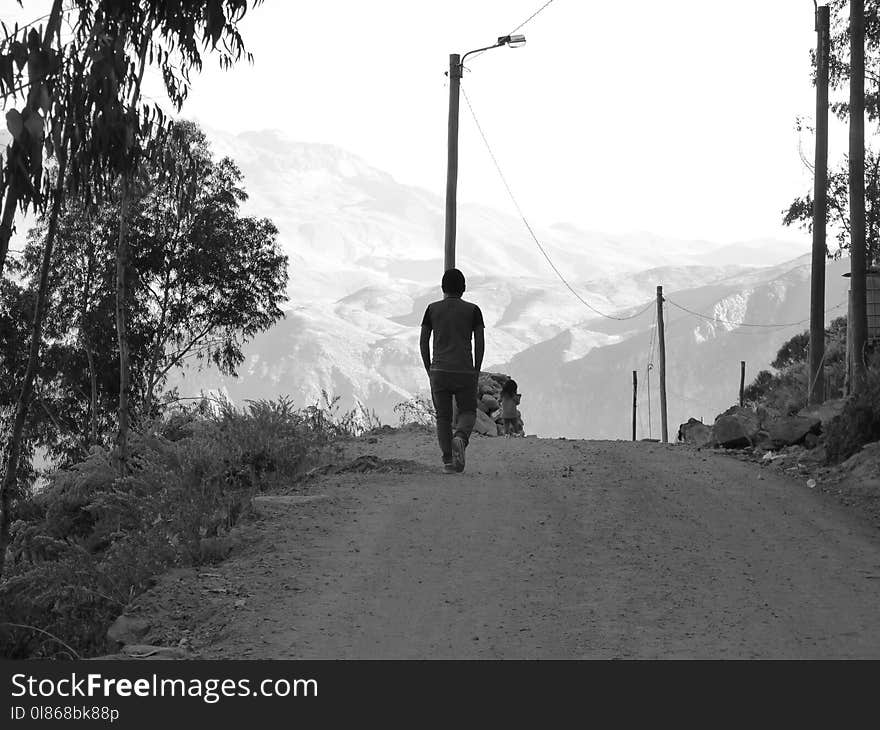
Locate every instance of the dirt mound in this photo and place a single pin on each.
(370, 464)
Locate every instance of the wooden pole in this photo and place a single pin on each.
(847, 384)
(820, 203)
(661, 339)
(859, 321)
(742, 381)
(452, 161)
(635, 391)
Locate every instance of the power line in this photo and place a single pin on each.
(531, 17)
(712, 318)
(529, 227)
(520, 26)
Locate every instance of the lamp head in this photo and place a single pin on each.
(514, 41)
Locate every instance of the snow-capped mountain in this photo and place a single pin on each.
(366, 258)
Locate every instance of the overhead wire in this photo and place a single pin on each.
(531, 231)
(531, 17)
(650, 364)
(520, 26)
(774, 325)
(710, 318)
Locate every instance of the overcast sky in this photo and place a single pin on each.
(674, 117)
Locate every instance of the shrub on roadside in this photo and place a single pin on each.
(419, 409)
(90, 541)
(859, 424)
(785, 391)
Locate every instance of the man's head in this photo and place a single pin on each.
(453, 282)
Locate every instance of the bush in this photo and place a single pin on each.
(785, 391)
(418, 409)
(92, 541)
(859, 424)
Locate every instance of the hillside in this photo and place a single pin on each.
(592, 391)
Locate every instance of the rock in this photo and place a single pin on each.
(788, 430)
(695, 432)
(811, 441)
(762, 440)
(762, 413)
(864, 465)
(485, 425)
(490, 383)
(489, 393)
(128, 629)
(736, 428)
(826, 412)
(750, 419)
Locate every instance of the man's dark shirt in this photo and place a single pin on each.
(453, 321)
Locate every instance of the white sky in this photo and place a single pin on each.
(673, 117)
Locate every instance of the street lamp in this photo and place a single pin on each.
(456, 65)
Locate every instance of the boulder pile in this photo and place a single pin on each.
(740, 427)
(489, 421)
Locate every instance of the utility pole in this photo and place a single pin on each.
(661, 339)
(635, 391)
(847, 383)
(859, 321)
(820, 203)
(456, 67)
(452, 161)
(742, 381)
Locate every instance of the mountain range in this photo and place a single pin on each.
(366, 258)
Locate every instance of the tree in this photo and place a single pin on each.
(214, 278)
(856, 29)
(204, 279)
(29, 52)
(799, 211)
(82, 105)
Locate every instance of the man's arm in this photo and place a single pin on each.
(425, 347)
(479, 348)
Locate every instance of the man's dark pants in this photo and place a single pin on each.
(463, 388)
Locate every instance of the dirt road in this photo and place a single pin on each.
(550, 549)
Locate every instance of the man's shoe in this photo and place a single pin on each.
(449, 469)
(458, 447)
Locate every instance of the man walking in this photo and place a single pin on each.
(453, 371)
